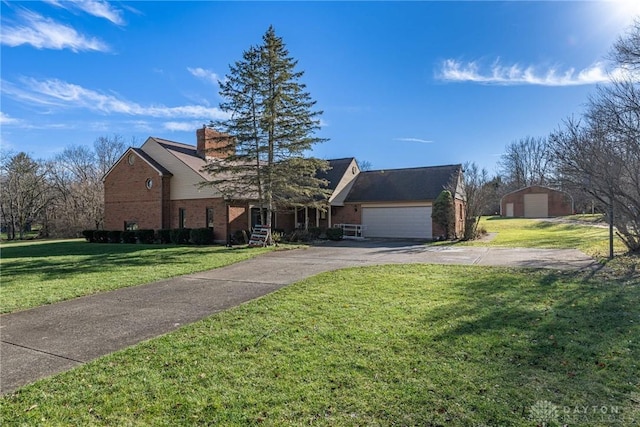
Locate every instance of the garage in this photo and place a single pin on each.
(536, 201)
(536, 205)
(412, 222)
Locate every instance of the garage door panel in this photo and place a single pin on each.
(536, 205)
(397, 222)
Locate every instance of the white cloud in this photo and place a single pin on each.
(54, 92)
(97, 8)
(420, 140)
(5, 119)
(45, 33)
(207, 75)
(456, 71)
(182, 126)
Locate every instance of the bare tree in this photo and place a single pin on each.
(526, 162)
(76, 179)
(477, 192)
(24, 192)
(626, 51)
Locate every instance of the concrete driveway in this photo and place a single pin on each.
(49, 339)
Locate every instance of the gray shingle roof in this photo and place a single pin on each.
(337, 171)
(402, 185)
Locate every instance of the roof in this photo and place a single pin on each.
(152, 162)
(157, 166)
(401, 185)
(338, 167)
(186, 153)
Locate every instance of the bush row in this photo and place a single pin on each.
(178, 236)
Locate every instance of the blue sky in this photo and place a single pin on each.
(401, 84)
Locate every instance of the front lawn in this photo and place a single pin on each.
(42, 272)
(389, 345)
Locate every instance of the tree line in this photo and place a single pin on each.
(63, 195)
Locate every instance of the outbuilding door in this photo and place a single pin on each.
(412, 222)
(510, 210)
(536, 205)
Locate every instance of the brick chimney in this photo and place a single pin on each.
(213, 144)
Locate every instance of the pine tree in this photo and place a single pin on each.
(272, 124)
(443, 213)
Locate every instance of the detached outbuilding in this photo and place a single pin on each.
(536, 201)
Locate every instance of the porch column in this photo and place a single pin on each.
(317, 218)
(306, 218)
(329, 225)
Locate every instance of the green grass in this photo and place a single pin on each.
(42, 272)
(533, 233)
(388, 345)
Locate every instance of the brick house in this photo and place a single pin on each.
(536, 201)
(157, 186)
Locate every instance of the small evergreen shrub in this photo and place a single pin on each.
(315, 232)
(128, 236)
(201, 236)
(114, 236)
(88, 234)
(240, 237)
(180, 236)
(100, 236)
(334, 233)
(145, 236)
(164, 235)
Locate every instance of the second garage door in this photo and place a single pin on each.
(412, 222)
(536, 206)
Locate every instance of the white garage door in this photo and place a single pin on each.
(536, 206)
(412, 222)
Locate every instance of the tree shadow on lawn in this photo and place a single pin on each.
(556, 337)
(47, 259)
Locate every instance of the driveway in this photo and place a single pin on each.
(53, 338)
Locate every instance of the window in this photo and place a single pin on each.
(149, 183)
(323, 214)
(182, 220)
(130, 225)
(131, 159)
(209, 218)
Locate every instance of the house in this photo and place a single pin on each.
(157, 186)
(536, 201)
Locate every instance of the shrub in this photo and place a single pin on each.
(201, 236)
(164, 235)
(128, 236)
(180, 236)
(145, 235)
(443, 214)
(88, 234)
(114, 236)
(100, 236)
(315, 232)
(240, 237)
(299, 235)
(334, 233)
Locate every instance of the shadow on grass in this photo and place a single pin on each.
(59, 260)
(573, 340)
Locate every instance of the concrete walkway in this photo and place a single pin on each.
(53, 338)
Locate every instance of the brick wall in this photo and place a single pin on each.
(127, 197)
(195, 211)
(560, 203)
(347, 214)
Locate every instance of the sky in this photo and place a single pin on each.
(400, 84)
